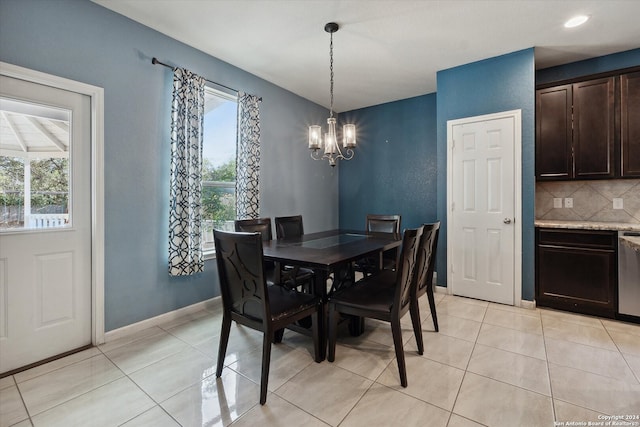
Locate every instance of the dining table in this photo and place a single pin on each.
(329, 254)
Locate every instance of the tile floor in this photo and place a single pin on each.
(490, 365)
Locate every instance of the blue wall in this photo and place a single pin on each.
(493, 85)
(394, 168)
(601, 64)
(80, 40)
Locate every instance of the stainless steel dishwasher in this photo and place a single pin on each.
(628, 276)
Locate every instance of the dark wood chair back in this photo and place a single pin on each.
(385, 296)
(425, 266)
(384, 224)
(242, 279)
(247, 300)
(260, 225)
(289, 226)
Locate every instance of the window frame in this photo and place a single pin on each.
(210, 252)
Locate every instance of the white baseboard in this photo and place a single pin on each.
(210, 304)
(531, 305)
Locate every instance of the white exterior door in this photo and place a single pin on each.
(45, 262)
(482, 194)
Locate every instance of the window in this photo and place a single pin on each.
(34, 166)
(218, 165)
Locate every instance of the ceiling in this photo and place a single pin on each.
(33, 131)
(385, 50)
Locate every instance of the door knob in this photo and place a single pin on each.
(507, 221)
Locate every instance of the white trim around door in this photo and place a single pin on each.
(97, 180)
(516, 115)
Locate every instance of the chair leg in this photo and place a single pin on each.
(278, 335)
(315, 331)
(396, 330)
(333, 332)
(222, 346)
(414, 310)
(266, 360)
(432, 305)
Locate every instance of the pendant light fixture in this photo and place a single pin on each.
(329, 143)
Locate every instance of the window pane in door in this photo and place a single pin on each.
(34, 166)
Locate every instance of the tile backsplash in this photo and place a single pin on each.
(592, 200)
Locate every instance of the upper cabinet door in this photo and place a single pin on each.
(630, 124)
(594, 128)
(553, 133)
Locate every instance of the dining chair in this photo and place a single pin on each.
(386, 225)
(376, 297)
(425, 266)
(247, 300)
(291, 227)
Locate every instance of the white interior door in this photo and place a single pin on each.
(45, 257)
(482, 190)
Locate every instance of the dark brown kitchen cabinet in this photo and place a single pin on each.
(576, 270)
(630, 124)
(593, 128)
(575, 130)
(553, 132)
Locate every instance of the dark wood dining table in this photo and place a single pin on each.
(325, 253)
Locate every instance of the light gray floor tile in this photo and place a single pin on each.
(444, 349)
(591, 359)
(56, 364)
(173, 374)
(407, 411)
(594, 336)
(627, 343)
(7, 382)
(487, 360)
(595, 392)
(566, 412)
(109, 405)
(277, 412)
(214, 401)
(363, 357)
(144, 352)
(51, 389)
(634, 364)
(12, 409)
(627, 328)
(565, 316)
(512, 320)
(155, 417)
(458, 327)
(512, 340)
(334, 393)
(510, 405)
(522, 371)
(458, 307)
(458, 421)
(285, 363)
(429, 381)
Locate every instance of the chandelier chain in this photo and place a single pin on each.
(331, 70)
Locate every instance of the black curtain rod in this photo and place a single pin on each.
(155, 61)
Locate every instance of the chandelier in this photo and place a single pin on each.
(329, 143)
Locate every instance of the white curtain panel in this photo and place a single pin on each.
(248, 157)
(187, 115)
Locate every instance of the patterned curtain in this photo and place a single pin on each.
(248, 157)
(187, 114)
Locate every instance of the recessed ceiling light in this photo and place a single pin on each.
(576, 21)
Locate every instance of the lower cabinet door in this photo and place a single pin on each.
(576, 279)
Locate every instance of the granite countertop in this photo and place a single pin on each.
(632, 242)
(588, 225)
